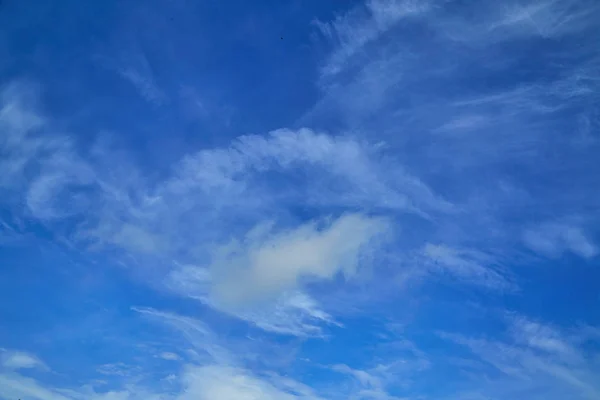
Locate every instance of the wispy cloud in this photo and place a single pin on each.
(197, 382)
(166, 355)
(227, 383)
(17, 122)
(211, 370)
(222, 373)
(447, 95)
(15, 386)
(538, 360)
(468, 266)
(370, 384)
(133, 66)
(352, 31)
(197, 333)
(351, 166)
(553, 239)
(233, 187)
(544, 338)
(15, 360)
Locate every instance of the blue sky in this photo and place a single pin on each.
(299, 200)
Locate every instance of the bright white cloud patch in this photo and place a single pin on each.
(265, 265)
(260, 277)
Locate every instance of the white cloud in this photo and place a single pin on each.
(218, 186)
(134, 238)
(535, 358)
(119, 369)
(117, 207)
(166, 355)
(513, 20)
(293, 313)
(365, 378)
(55, 193)
(469, 266)
(17, 386)
(230, 188)
(20, 360)
(374, 383)
(264, 266)
(207, 382)
(223, 373)
(54, 190)
(544, 338)
(553, 239)
(220, 374)
(362, 25)
(464, 123)
(198, 334)
(17, 117)
(259, 278)
(133, 66)
(217, 382)
(548, 18)
(336, 171)
(18, 121)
